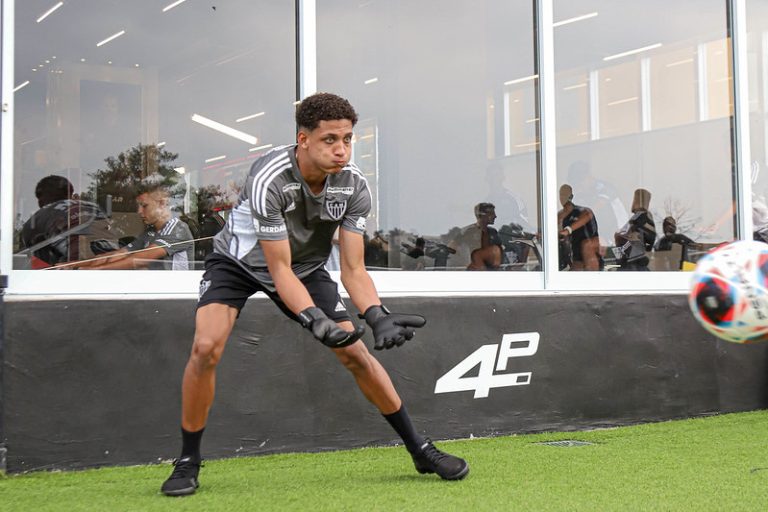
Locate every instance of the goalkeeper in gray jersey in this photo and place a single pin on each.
(276, 240)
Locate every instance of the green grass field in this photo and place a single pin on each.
(715, 463)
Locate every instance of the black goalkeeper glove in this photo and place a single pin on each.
(326, 330)
(391, 329)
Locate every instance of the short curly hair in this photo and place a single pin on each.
(323, 106)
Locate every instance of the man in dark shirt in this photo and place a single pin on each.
(579, 223)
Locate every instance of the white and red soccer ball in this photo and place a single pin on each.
(729, 291)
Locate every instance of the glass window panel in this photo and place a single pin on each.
(572, 99)
(147, 119)
(674, 87)
(446, 95)
(660, 116)
(757, 51)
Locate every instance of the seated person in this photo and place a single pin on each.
(478, 246)
(165, 243)
(637, 237)
(64, 229)
(671, 236)
(579, 224)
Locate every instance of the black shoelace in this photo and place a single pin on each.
(433, 454)
(184, 468)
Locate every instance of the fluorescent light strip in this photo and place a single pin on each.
(679, 63)
(180, 170)
(110, 38)
(619, 102)
(249, 117)
(577, 86)
(226, 130)
(528, 121)
(526, 145)
(259, 148)
(371, 81)
(632, 52)
(524, 79)
(574, 20)
(21, 85)
(174, 4)
(160, 144)
(49, 12)
(220, 157)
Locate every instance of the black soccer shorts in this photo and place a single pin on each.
(226, 282)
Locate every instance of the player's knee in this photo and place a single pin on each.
(207, 350)
(355, 358)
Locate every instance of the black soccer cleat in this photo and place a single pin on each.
(183, 481)
(431, 460)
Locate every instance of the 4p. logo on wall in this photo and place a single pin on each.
(491, 358)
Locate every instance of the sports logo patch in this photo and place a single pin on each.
(204, 285)
(336, 209)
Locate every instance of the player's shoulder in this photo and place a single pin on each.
(353, 176)
(275, 160)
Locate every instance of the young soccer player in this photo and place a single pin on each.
(277, 240)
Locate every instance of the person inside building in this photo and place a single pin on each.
(636, 238)
(578, 225)
(166, 243)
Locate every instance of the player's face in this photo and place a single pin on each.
(329, 146)
(151, 207)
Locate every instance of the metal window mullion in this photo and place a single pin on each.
(594, 104)
(548, 144)
(701, 72)
(645, 93)
(307, 48)
(743, 159)
(6, 143)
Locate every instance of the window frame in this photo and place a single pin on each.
(392, 283)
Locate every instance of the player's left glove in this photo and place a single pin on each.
(391, 329)
(326, 330)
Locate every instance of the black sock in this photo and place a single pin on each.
(190, 443)
(401, 422)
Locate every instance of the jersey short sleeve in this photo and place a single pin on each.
(267, 208)
(175, 237)
(359, 206)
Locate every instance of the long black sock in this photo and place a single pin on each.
(401, 422)
(190, 443)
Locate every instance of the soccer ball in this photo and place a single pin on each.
(728, 291)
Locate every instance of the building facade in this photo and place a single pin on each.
(659, 107)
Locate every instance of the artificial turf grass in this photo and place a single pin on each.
(713, 463)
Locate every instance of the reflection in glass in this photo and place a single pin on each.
(650, 95)
(106, 117)
(448, 125)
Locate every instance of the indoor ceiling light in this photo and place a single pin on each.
(215, 158)
(226, 130)
(240, 120)
(632, 52)
(524, 79)
(174, 4)
(110, 38)
(573, 20)
(49, 12)
(21, 85)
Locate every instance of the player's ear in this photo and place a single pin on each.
(301, 138)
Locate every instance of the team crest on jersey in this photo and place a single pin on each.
(336, 209)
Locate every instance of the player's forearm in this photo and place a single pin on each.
(360, 287)
(292, 292)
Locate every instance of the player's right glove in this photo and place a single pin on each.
(391, 329)
(326, 330)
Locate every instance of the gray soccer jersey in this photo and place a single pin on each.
(170, 237)
(276, 204)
